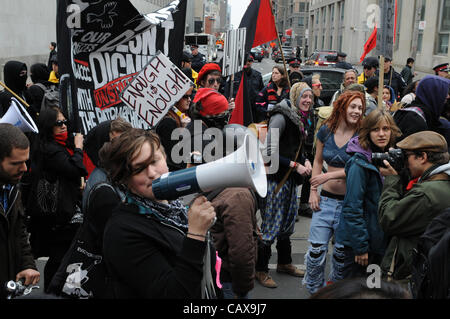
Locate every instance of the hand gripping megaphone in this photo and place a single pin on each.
(18, 116)
(243, 168)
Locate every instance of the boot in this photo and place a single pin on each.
(265, 280)
(290, 269)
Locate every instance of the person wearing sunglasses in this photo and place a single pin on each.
(58, 158)
(210, 76)
(370, 66)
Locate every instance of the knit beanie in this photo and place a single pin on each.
(297, 90)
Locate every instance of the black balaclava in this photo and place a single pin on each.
(15, 74)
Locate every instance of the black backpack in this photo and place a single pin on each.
(431, 260)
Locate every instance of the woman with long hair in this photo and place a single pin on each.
(288, 119)
(332, 140)
(59, 158)
(276, 91)
(359, 230)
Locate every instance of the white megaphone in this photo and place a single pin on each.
(18, 116)
(243, 168)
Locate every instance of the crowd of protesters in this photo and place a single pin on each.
(95, 190)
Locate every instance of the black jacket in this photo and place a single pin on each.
(14, 81)
(198, 61)
(149, 259)
(395, 81)
(53, 159)
(15, 250)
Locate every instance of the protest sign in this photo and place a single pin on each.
(234, 51)
(158, 86)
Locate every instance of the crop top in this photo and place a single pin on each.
(332, 155)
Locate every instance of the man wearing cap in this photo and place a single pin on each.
(370, 66)
(393, 78)
(294, 73)
(441, 70)
(405, 210)
(198, 59)
(342, 64)
(186, 63)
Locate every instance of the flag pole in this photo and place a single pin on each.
(381, 83)
(12, 92)
(279, 44)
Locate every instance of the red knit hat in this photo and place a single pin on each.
(212, 102)
(207, 68)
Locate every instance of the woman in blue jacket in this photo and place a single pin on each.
(359, 230)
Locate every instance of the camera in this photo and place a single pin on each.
(395, 157)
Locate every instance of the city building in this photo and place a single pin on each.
(291, 17)
(207, 16)
(345, 25)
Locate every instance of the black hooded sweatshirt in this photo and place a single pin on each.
(15, 81)
(39, 74)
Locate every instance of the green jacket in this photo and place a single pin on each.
(404, 215)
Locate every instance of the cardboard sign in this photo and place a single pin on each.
(155, 89)
(234, 51)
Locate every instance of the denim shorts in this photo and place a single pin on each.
(325, 222)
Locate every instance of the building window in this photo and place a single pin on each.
(332, 13)
(342, 10)
(301, 21)
(302, 7)
(317, 17)
(340, 43)
(422, 18)
(324, 16)
(444, 28)
(331, 42)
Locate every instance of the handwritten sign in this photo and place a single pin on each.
(234, 51)
(155, 89)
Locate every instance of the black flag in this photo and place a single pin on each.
(102, 45)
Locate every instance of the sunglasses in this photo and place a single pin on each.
(211, 81)
(61, 123)
(317, 85)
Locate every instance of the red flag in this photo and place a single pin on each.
(289, 32)
(242, 113)
(260, 24)
(370, 44)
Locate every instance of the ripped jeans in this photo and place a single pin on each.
(323, 225)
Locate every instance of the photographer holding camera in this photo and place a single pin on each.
(403, 213)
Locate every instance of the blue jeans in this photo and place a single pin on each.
(227, 290)
(323, 225)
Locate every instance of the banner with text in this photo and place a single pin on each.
(234, 51)
(155, 89)
(102, 45)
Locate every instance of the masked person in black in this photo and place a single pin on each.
(15, 75)
(39, 76)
